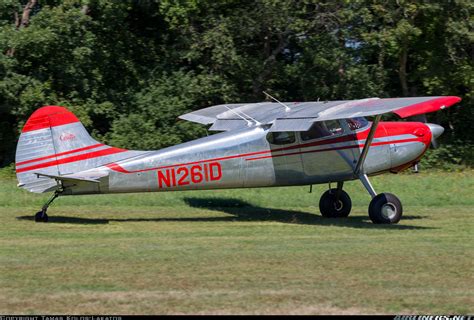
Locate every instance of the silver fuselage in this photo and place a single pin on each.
(244, 158)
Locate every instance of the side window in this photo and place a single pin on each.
(322, 129)
(357, 123)
(281, 137)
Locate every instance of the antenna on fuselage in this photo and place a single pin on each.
(275, 99)
(245, 119)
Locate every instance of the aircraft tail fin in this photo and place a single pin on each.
(54, 142)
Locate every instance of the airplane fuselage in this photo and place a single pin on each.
(264, 144)
(246, 158)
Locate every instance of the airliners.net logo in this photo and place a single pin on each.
(434, 318)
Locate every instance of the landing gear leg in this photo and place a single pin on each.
(385, 208)
(335, 203)
(41, 216)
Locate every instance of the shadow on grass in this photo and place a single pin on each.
(243, 211)
(62, 219)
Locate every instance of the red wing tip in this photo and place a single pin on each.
(451, 99)
(435, 104)
(456, 99)
(49, 116)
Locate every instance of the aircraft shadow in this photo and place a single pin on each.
(244, 211)
(63, 219)
(240, 210)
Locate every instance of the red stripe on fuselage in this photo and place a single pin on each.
(352, 137)
(374, 144)
(118, 168)
(80, 157)
(60, 154)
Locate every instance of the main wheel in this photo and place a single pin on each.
(385, 208)
(41, 217)
(332, 208)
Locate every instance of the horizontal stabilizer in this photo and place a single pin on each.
(69, 177)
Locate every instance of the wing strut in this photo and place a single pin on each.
(367, 144)
(357, 171)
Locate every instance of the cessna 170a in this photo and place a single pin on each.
(263, 144)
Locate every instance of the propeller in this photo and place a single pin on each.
(436, 131)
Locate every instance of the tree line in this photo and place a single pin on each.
(129, 68)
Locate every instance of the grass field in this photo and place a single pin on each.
(255, 251)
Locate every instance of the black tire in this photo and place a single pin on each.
(41, 217)
(330, 208)
(385, 208)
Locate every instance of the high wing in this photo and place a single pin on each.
(301, 115)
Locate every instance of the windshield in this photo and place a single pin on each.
(357, 123)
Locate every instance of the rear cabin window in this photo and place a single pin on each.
(281, 137)
(322, 129)
(357, 123)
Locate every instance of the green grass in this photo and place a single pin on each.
(240, 251)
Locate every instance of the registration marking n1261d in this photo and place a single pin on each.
(186, 175)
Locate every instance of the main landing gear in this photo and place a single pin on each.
(335, 203)
(41, 216)
(385, 208)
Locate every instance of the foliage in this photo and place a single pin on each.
(449, 157)
(129, 68)
(7, 172)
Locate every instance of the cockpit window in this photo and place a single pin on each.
(281, 137)
(357, 123)
(322, 129)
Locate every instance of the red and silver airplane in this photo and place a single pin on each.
(263, 144)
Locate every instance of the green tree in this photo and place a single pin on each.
(129, 68)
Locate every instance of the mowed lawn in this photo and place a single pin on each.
(254, 251)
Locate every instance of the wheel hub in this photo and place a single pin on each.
(389, 210)
(338, 205)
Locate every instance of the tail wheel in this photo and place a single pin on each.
(332, 206)
(41, 216)
(385, 208)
